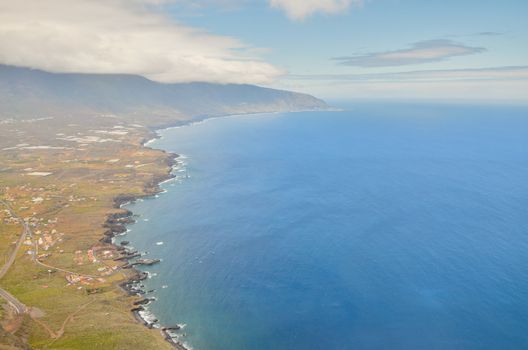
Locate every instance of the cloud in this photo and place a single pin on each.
(122, 36)
(300, 9)
(470, 74)
(489, 34)
(476, 34)
(420, 52)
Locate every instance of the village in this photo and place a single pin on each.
(45, 240)
(58, 185)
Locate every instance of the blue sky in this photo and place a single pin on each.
(306, 47)
(378, 25)
(335, 49)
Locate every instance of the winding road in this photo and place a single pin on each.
(19, 307)
(14, 302)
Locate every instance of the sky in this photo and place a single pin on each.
(334, 49)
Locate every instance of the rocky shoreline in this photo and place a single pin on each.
(115, 225)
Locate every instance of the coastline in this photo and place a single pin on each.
(117, 225)
(75, 215)
(76, 206)
(204, 118)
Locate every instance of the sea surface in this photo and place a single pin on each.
(380, 227)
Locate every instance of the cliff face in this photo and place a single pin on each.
(28, 93)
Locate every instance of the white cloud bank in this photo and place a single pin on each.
(121, 36)
(300, 9)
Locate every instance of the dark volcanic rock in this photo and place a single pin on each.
(143, 301)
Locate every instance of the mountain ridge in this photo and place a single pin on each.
(26, 92)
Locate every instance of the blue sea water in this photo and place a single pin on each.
(380, 227)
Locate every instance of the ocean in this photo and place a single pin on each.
(384, 226)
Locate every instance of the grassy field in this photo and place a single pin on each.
(62, 179)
